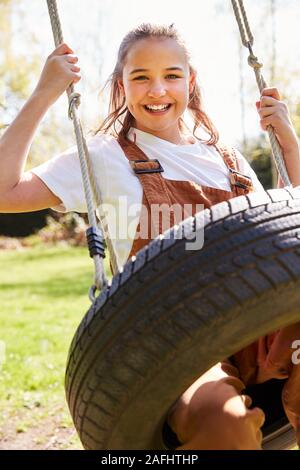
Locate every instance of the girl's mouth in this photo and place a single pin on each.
(157, 109)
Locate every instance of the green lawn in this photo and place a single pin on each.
(43, 296)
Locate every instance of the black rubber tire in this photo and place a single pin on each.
(172, 313)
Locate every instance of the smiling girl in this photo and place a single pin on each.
(145, 155)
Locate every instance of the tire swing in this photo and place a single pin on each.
(172, 309)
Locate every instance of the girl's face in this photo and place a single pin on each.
(157, 83)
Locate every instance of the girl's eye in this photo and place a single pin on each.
(171, 76)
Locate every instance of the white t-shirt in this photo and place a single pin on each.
(120, 188)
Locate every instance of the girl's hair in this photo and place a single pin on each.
(118, 111)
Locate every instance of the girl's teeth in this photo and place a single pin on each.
(157, 108)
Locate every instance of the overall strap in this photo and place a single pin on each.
(148, 172)
(240, 184)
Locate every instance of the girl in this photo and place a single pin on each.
(144, 152)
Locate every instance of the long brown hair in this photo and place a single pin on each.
(118, 111)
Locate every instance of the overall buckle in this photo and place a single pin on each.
(234, 179)
(139, 171)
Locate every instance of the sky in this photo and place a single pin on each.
(95, 28)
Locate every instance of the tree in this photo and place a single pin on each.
(16, 70)
(16, 74)
(258, 153)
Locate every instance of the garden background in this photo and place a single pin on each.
(45, 270)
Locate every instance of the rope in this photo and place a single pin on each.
(247, 41)
(90, 187)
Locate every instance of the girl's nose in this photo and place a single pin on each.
(156, 91)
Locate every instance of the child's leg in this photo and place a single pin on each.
(213, 413)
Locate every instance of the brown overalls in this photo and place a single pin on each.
(213, 413)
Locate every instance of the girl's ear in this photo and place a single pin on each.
(192, 82)
(121, 87)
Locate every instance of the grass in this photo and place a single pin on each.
(43, 296)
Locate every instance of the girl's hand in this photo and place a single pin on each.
(58, 73)
(274, 112)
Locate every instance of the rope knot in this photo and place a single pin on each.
(253, 62)
(74, 98)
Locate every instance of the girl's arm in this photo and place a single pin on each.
(24, 192)
(274, 112)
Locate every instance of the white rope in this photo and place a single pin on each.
(90, 185)
(248, 40)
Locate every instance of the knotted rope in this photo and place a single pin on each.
(247, 41)
(91, 189)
